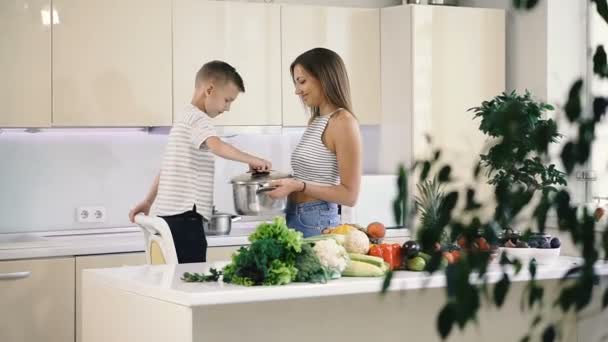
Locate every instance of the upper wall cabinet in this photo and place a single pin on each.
(245, 35)
(353, 33)
(112, 63)
(25, 63)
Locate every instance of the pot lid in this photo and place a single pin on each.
(255, 177)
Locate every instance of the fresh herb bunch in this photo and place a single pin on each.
(201, 277)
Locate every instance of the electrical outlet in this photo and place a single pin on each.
(92, 214)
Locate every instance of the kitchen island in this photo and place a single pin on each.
(152, 303)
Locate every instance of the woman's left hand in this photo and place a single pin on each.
(284, 187)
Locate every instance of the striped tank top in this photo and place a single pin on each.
(312, 161)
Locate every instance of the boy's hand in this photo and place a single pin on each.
(143, 207)
(259, 164)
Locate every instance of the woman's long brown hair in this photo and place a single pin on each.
(328, 67)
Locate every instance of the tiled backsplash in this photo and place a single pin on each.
(45, 176)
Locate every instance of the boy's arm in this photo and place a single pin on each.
(146, 204)
(227, 151)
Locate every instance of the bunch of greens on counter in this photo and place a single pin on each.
(277, 256)
(269, 260)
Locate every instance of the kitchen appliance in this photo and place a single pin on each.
(220, 223)
(249, 193)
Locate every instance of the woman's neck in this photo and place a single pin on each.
(327, 108)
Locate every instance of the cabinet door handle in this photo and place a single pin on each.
(15, 275)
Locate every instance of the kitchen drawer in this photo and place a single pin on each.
(37, 300)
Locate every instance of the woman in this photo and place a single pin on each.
(327, 161)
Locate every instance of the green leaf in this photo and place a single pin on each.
(426, 168)
(602, 8)
(536, 320)
(572, 271)
(437, 155)
(444, 174)
(501, 289)
(525, 4)
(549, 334)
(477, 170)
(569, 156)
(599, 108)
(445, 321)
(471, 203)
(535, 295)
(532, 268)
(387, 281)
(599, 62)
(573, 106)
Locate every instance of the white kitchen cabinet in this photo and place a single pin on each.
(437, 62)
(353, 33)
(100, 261)
(245, 35)
(112, 63)
(127, 259)
(37, 300)
(25, 63)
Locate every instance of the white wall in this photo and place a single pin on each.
(45, 176)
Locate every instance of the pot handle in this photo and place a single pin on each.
(265, 189)
(235, 218)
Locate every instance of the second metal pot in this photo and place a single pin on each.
(249, 192)
(220, 223)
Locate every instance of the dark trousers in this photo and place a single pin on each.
(188, 236)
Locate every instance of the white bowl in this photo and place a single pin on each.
(543, 256)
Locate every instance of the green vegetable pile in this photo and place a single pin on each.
(277, 256)
(269, 260)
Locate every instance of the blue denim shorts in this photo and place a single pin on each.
(311, 218)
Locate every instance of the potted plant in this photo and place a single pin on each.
(521, 134)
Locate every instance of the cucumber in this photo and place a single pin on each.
(362, 269)
(376, 261)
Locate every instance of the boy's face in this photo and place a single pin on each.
(218, 97)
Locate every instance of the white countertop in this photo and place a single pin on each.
(164, 283)
(93, 241)
(109, 240)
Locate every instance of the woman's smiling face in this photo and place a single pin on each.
(308, 88)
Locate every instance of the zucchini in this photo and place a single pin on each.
(370, 259)
(362, 269)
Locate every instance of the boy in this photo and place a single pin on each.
(182, 193)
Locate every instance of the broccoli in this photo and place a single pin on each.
(309, 267)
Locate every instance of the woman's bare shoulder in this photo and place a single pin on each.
(344, 119)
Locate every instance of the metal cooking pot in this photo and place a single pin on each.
(249, 193)
(220, 223)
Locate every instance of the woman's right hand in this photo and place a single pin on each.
(143, 207)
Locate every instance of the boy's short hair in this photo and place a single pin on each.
(221, 72)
